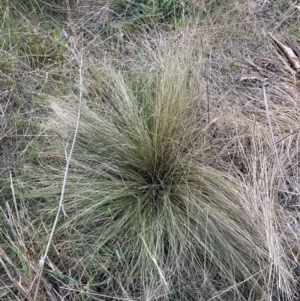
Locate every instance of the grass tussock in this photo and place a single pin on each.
(143, 193)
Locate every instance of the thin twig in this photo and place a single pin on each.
(79, 58)
(269, 119)
(273, 137)
(14, 197)
(294, 131)
(208, 109)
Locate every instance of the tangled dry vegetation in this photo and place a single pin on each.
(178, 142)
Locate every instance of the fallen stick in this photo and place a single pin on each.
(289, 53)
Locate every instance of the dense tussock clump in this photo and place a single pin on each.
(144, 198)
